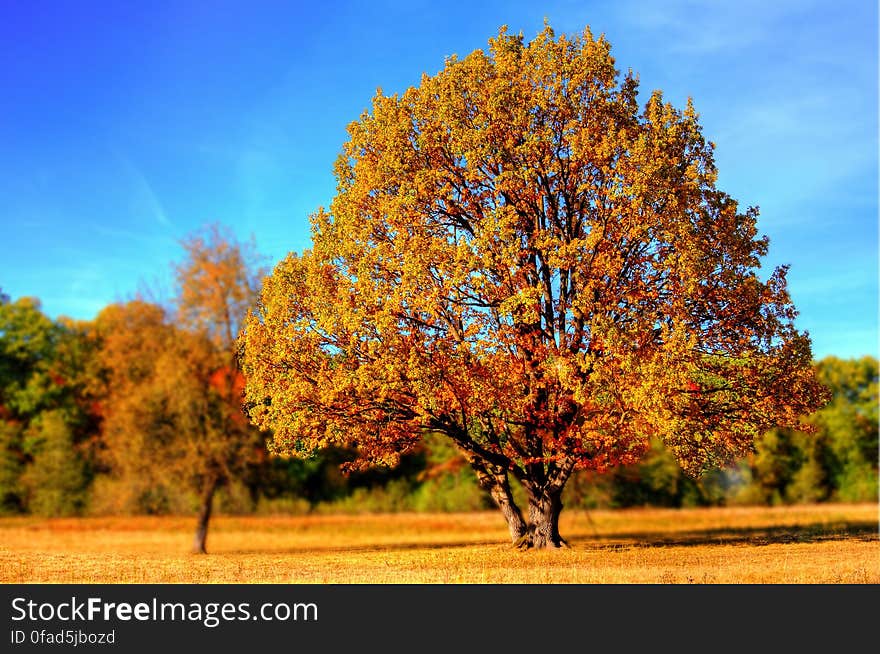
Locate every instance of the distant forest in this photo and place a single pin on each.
(139, 412)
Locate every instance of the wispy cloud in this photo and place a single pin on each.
(144, 196)
(836, 287)
(705, 28)
(131, 235)
(82, 294)
(792, 154)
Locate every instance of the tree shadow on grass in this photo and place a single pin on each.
(864, 531)
(756, 536)
(382, 548)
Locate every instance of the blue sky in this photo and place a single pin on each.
(126, 126)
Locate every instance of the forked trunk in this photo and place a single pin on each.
(544, 513)
(204, 517)
(545, 505)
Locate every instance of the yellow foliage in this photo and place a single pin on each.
(520, 258)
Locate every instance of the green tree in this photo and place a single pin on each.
(58, 477)
(46, 414)
(838, 459)
(12, 496)
(850, 426)
(28, 339)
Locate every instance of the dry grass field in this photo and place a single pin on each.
(804, 544)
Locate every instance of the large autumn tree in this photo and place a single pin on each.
(523, 259)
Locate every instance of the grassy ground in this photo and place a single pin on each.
(806, 544)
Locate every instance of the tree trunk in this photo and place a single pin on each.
(203, 518)
(544, 510)
(504, 500)
(545, 503)
(498, 486)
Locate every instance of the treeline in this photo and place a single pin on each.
(836, 462)
(139, 411)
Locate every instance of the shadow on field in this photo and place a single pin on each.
(861, 531)
(382, 548)
(755, 536)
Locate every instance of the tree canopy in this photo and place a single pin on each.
(524, 259)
